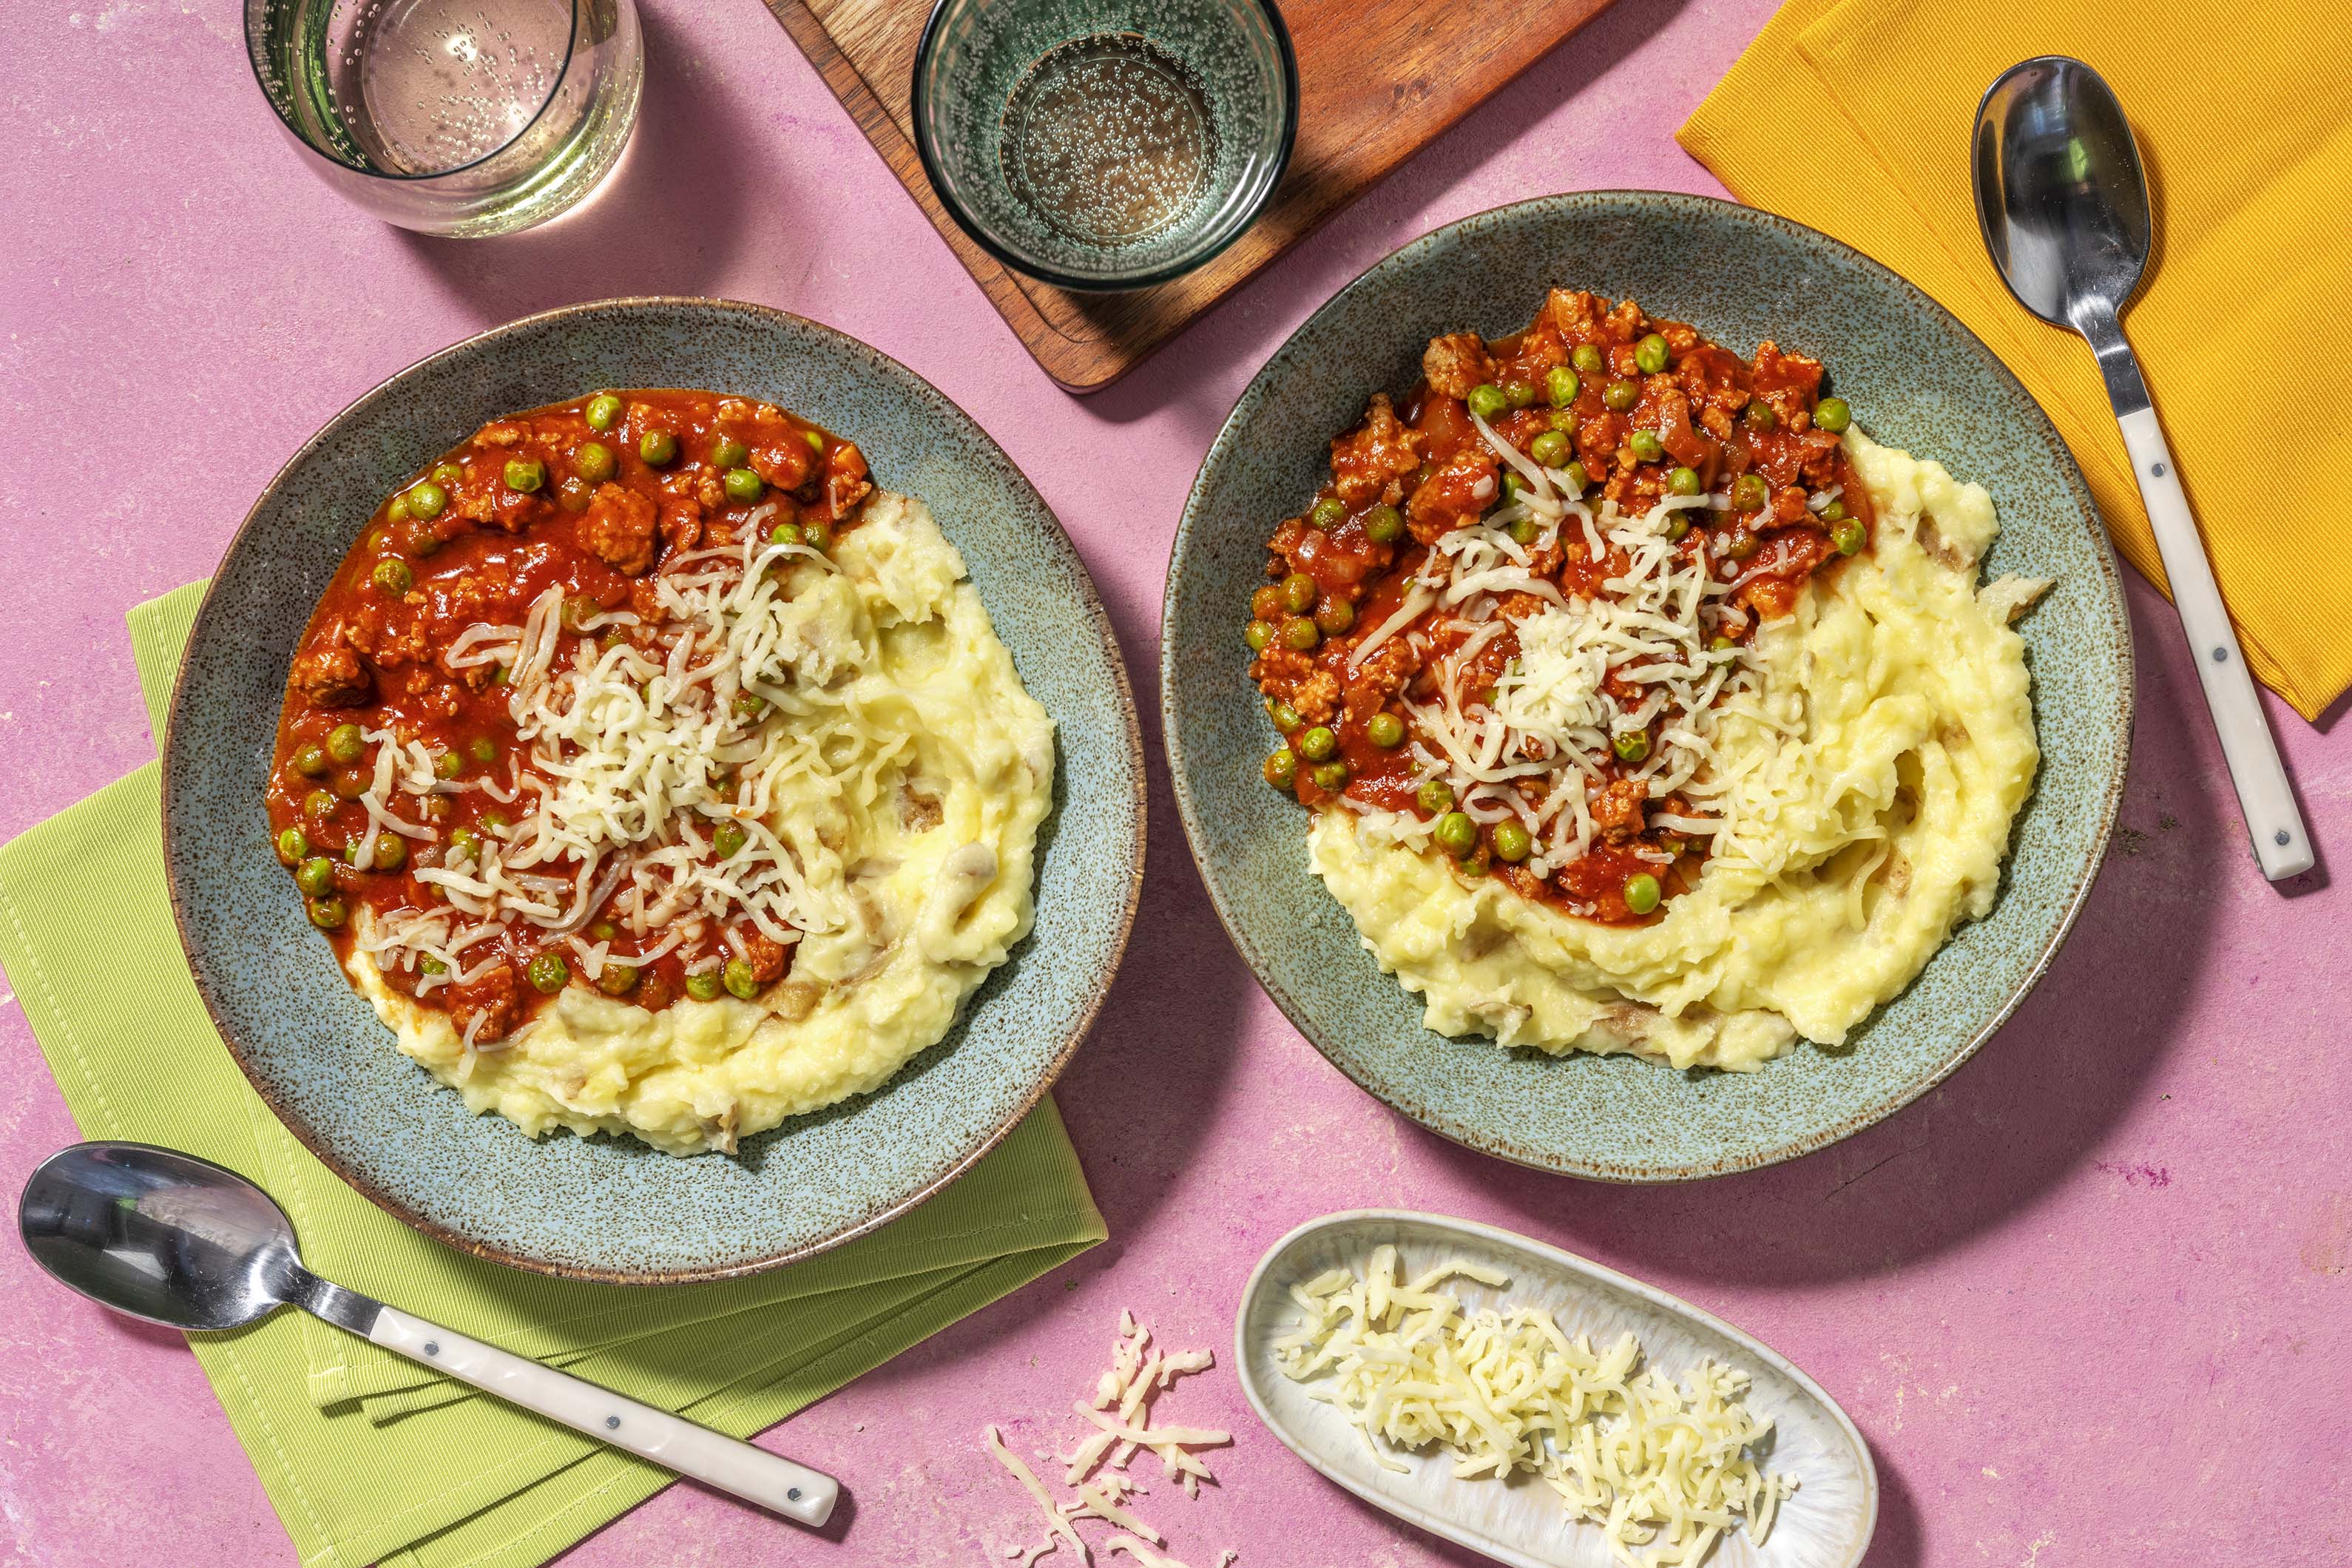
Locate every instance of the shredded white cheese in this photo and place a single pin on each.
(1656, 1464)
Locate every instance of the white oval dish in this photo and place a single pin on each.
(1826, 1524)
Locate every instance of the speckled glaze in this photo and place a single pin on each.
(1233, 55)
(606, 1209)
(1827, 1523)
(1917, 380)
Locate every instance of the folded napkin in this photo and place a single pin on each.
(1855, 115)
(367, 1457)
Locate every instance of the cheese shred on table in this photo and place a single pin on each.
(1656, 1464)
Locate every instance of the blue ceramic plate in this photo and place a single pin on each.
(1918, 379)
(600, 1208)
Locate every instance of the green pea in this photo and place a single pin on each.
(1676, 526)
(494, 821)
(525, 474)
(1284, 716)
(1573, 478)
(426, 498)
(352, 851)
(1683, 482)
(1631, 745)
(815, 441)
(1317, 744)
(1385, 730)
(1551, 449)
(1281, 769)
(1833, 512)
(1646, 446)
(448, 765)
(1739, 546)
(311, 760)
(1301, 634)
(1525, 530)
(448, 473)
(1560, 386)
(346, 743)
(817, 534)
(1519, 394)
(594, 462)
(1650, 354)
(1512, 842)
(351, 784)
(787, 533)
(1721, 645)
(326, 914)
(1331, 777)
(1832, 415)
(703, 986)
(1621, 394)
(658, 446)
(394, 577)
(1435, 797)
(1335, 617)
(1566, 423)
(319, 804)
(465, 844)
(728, 453)
(1328, 513)
(432, 965)
(421, 540)
(1383, 525)
(292, 844)
(603, 411)
(744, 485)
(1486, 400)
(1512, 485)
(1749, 493)
(1641, 892)
(1259, 635)
(549, 973)
(316, 876)
(739, 979)
(1849, 536)
(482, 749)
(1456, 834)
(396, 510)
(727, 839)
(748, 706)
(615, 979)
(391, 851)
(603, 931)
(1587, 359)
(1759, 416)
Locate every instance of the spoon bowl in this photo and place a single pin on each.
(158, 1236)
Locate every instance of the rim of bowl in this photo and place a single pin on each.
(1105, 283)
(253, 60)
(2111, 799)
(1098, 618)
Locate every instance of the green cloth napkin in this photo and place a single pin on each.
(367, 1457)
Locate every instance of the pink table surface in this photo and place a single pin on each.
(2088, 1300)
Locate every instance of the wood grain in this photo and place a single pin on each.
(1377, 80)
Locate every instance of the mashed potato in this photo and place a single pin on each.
(1877, 780)
(931, 806)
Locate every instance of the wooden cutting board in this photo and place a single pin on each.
(1378, 79)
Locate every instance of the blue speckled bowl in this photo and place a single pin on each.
(616, 1210)
(1917, 379)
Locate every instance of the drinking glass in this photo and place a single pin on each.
(453, 117)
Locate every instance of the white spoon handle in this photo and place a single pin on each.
(752, 1474)
(2280, 843)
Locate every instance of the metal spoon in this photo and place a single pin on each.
(188, 1244)
(2064, 211)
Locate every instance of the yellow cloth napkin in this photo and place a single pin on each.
(364, 1456)
(1854, 116)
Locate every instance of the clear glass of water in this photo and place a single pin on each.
(453, 117)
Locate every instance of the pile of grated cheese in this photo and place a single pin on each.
(1657, 1464)
(1548, 730)
(636, 753)
(1119, 1417)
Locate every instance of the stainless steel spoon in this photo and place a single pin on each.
(191, 1245)
(2064, 211)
